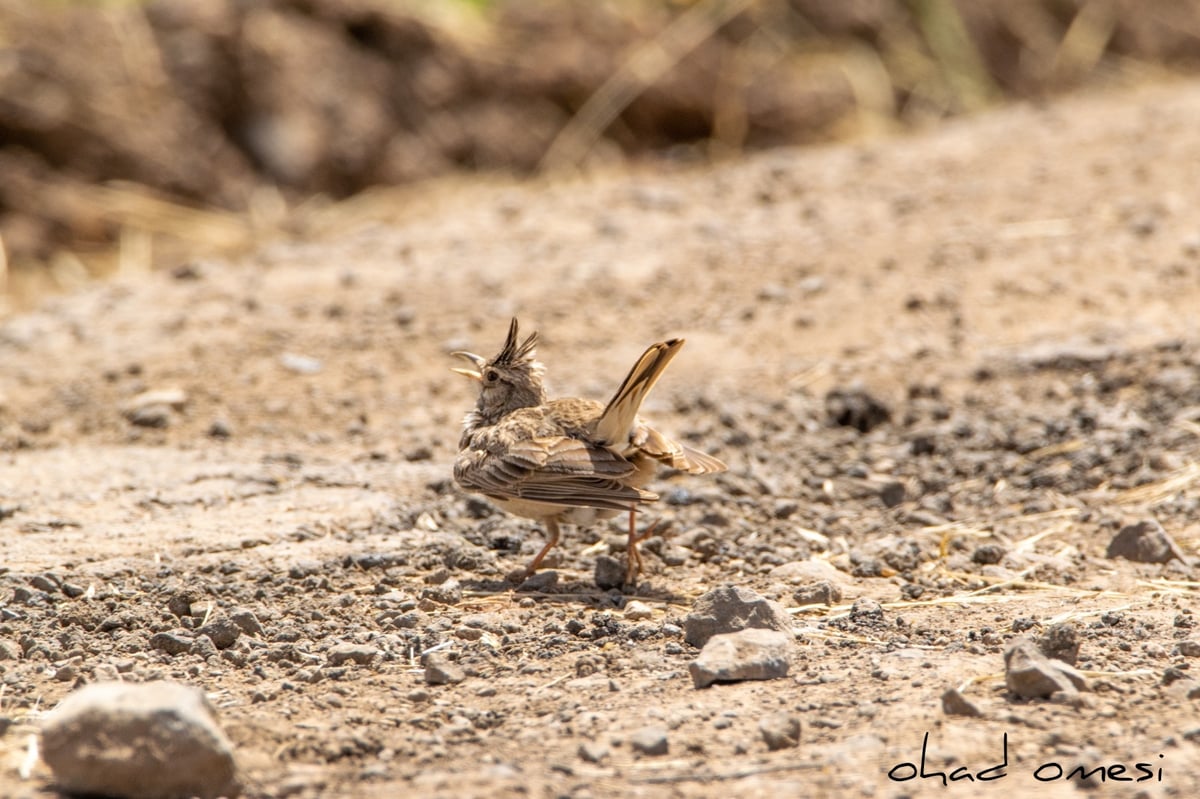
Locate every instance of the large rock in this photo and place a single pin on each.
(157, 740)
(752, 654)
(730, 609)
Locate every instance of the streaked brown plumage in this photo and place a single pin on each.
(565, 461)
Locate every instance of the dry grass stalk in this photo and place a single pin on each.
(645, 65)
(1153, 493)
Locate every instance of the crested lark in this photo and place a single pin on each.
(565, 461)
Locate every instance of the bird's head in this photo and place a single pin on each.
(510, 380)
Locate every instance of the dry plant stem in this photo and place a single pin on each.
(645, 66)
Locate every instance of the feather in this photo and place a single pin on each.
(616, 424)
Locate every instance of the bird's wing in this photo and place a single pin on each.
(555, 469)
(671, 453)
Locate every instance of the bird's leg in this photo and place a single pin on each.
(552, 531)
(633, 556)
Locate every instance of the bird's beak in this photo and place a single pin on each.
(476, 361)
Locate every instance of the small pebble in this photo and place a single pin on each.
(540, 583)
(300, 364)
(609, 573)
(821, 592)
(651, 741)
(780, 730)
(440, 670)
(223, 632)
(1031, 675)
(171, 643)
(955, 704)
(593, 751)
(1144, 542)
(360, 654)
(638, 611)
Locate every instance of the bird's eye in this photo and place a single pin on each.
(492, 376)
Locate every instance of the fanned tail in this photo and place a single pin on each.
(616, 425)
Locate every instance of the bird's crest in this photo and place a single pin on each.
(515, 353)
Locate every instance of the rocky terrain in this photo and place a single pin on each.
(946, 370)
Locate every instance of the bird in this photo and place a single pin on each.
(567, 460)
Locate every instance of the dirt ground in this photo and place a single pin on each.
(1019, 291)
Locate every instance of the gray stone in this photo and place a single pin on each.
(955, 704)
(866, 611)
(780, 730)
(1189, 649)
(1061, 642)
(221, 631)
(448, 593)
(988, 554)
(156, 740)
(855, 407)
(821, 592)
(798, 572)
(637, 611)
(609, 573)
(155, 416)
(539, 583)
(1074, 675)
(752, 654)
(171, 643)
(892, 493)
(1031, 675)
(303, 568)
(105, 672)
(1144, 542)
(650, 741)
(729, 609)
(248, 622)
(204, 647)
(181, 604)
(593, 751)
(220, 428)
(355, 653)
(44, 582)
(440, 670)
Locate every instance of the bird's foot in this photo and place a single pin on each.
(519, 576)
(633, 557)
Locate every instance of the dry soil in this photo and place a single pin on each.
(944, 370)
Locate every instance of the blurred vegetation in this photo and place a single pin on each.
(135, 134)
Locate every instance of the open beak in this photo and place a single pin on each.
(476, 361)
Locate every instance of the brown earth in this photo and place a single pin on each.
(1020, 290)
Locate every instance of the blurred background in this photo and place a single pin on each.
(137, 135)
